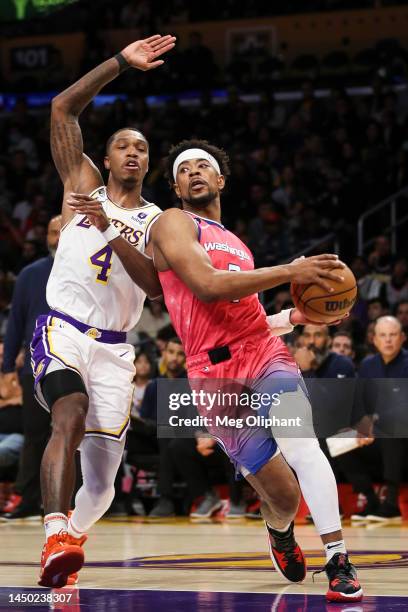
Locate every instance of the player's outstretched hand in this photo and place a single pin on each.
(143, 54)
(85, 205)
(319, 269)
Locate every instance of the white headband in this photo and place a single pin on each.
(194, 154)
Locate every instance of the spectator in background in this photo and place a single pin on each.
(154, 317)
(401, 313)
(285, 194)
(282, 299)
(195, 458)
(273, 243)
(376, 308)
(29, 301)
(369, 285)
(11, 438)
(145, 371)
(389, 402)
(369, 346)
(380, 259)
(163, 336)
(201, 57)
(31, 251)
(11, 241)
(174, 358)
(136, 13)
(18, 172)
(331, 398)
(342, 344)
(317, 360)
(396, 289)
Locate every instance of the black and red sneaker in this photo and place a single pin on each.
(286, 554)
(343, 582)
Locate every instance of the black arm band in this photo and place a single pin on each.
(123, 63)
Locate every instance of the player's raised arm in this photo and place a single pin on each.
(176, 246)
(77, 171)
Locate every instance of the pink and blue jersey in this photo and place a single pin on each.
(255, 359)
(203, 326)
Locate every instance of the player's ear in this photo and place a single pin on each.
(106, 162)
(177, 190)
(221, 182)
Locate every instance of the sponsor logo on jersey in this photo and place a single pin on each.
(339, 305)
(94, 333)
(226, 248)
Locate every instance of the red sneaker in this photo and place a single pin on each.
(286, 554)
(61, 557)
(343, 581)
(73, 578)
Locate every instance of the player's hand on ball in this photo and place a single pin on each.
(143, 54)
(92, 208)
(319, 269)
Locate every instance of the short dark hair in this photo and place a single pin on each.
(219, 154)
(174, 340)
(378, 299)
(166, 332)
(112, 137)
(343, 333)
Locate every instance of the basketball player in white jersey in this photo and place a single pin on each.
(82, 364)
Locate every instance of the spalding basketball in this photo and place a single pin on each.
(321, 307)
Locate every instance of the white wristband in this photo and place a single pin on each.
(111, 233)
(280, 323)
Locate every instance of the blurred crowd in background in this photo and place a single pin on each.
(302, 172)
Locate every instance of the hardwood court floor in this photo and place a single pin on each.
(137, 565)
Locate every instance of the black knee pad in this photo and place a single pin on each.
(61, 383)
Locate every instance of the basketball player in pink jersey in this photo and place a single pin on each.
(210, 288)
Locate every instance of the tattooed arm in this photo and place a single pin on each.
(77, 171)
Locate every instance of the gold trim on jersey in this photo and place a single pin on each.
(132, 209)
(146, 205)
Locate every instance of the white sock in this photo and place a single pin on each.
(283, 530)
(54, 523)
(332, 548)
(72, 531)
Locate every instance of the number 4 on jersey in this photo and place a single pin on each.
(101, 260)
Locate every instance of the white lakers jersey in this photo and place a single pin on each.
(88, 281)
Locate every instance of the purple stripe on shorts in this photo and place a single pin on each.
(40, 354)
(100, 335)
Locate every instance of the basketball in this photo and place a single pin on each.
(322, 307)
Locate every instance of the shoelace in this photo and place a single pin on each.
(342, 567)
